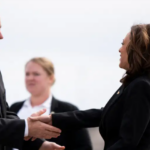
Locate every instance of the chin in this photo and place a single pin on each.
(31, 90)
(122, 67)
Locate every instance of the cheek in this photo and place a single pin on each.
(126, 56)
(124, 60)
(26, 79)
(40, 81)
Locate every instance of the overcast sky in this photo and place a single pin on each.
(81, 37)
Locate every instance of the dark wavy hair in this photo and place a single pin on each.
(138, 51)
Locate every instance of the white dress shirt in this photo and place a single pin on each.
(27, 110)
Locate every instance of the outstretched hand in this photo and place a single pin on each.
(39, 113)
(42, 124)
(45, 119)
(51, 146)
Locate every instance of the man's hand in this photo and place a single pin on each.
(51, 146)
(39, 129)
(45, 118)
(39, 113)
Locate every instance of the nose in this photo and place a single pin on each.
(1, 36)
(29, 77)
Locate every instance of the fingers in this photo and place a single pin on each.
(52, 129)
(45, 118)
(58, 147)
(39, 113)
(48, 135)
(45, 131)
(61, 148)
(27, 138)
(53, 135)
(33, 139)
(51, 146)
(39, 129)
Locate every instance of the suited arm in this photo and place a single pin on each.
(9, 114)
(78, 139)
(12, 132)
(11, 128)
(26, 145)
(136, 117)
(77, 119)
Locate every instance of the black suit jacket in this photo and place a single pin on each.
(124, 122)
(74, 140)
(11, 127)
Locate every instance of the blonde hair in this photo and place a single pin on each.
(46, 64)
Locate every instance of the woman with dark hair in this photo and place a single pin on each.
(124, 122)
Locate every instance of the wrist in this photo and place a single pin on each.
(26, 130)
(29, 126)
(43, 146)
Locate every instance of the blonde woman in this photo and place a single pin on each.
(39, 78)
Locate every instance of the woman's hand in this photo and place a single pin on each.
(51, 146)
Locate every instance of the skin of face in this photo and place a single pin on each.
(36, 79)
(123, 53)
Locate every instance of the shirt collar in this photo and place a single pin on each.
(47, 103)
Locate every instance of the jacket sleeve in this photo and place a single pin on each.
(24, 145)
(11, 127)
(78, 139)
(77, 119)
(135, 118)
(12, 132)
(10, 114)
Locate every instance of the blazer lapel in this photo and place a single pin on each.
(2, 107)
(3, 103)
(2, 97)
(54, 105)
(113, 99)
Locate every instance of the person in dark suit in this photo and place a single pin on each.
(13, 130)
(124, 122)
(39, 77)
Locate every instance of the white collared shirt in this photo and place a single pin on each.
(27, 110)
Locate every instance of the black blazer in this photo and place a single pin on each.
(124, 122)
(74, 140)
(11, 127)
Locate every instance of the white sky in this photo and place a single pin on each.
(81, 37)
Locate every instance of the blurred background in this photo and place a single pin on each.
(81, 37)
